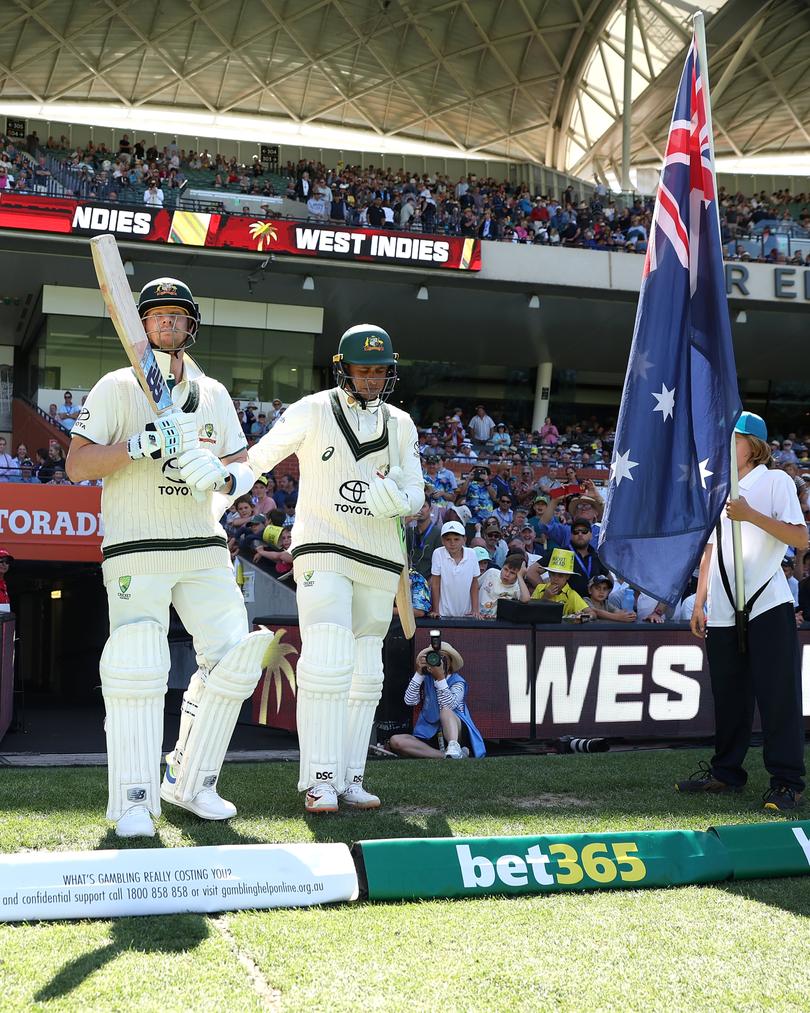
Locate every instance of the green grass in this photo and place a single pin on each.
(726, 947)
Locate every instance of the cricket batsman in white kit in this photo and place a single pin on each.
(164, 545)
(347, 556)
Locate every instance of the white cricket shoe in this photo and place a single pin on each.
(136, 822)
(321, 798)
(206, 804)
(453, 751)
(356, 797)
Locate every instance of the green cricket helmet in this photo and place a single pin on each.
(171, 292)
(365, 345)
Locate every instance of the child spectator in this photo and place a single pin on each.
(454, 576)
(599, 587)
(442, 693)
(504, 583)
(560, 567)
(277, 554)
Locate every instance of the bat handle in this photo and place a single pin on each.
(393, 443)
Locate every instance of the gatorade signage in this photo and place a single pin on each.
(54, 522)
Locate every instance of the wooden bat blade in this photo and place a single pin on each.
(404, 600)
(112, 281)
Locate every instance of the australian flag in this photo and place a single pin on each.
(669, 476)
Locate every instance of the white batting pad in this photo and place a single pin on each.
(323, 675)
(364, 695)
(134, 671)
(210, 709)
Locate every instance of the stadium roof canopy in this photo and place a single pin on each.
(526, 80)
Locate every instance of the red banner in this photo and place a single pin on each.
(57, 522)
(240, 232)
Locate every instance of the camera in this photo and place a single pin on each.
(433, 658)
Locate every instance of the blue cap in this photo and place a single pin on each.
(752, 425)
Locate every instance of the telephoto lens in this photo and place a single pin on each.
(569, 744)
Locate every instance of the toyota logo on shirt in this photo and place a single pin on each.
(354, 494)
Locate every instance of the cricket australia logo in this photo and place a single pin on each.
(373, 343)
(354, 496)
(123, 587)
(308, 581)
(207, 433)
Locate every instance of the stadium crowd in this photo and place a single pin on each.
(509, 513)
(755, 227)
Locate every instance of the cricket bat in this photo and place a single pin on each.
(404, 603)
(112, 281)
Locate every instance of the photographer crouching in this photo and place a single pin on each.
(442, 692)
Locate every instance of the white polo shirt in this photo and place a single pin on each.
(772, 493)
(456, 581)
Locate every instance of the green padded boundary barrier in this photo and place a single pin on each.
(462, 867)
(762, 850)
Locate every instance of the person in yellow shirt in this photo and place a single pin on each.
(556, 588)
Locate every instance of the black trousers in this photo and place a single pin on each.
(768, 675)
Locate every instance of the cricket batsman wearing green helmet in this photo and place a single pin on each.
(347, 556)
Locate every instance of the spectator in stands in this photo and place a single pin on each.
(263, 502)
(793, 584)
(480, 493)
(422, 539)
(560, 569)
(69, 412)
(420, 594)
(317, 207)
(9, 469)
(504, 583)
(500, 438)
(277, 411)
(503, 512)
(289, 511)
(286, 488)
(599, 587)
(239, 516)
(6, 559)
(59, 477)
(303, 188)
(587, 563)
(442, 693)
(549, 434)
(53, 414)
(259, 427)
(481, 427)
(493, 540)
(278, 540)
(454, 576)
(153, 196)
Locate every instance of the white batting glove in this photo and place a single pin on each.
(166, 437)
(384, 499)
(203, 471)
(397, 475)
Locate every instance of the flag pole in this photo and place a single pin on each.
(734, 480)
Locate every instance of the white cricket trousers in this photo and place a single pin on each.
(209, 603)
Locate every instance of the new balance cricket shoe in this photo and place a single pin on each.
(206, 804)
(704, 780)
(453, 751)
(782, 799)
(356, 797)
(321, 798)
(136, 822)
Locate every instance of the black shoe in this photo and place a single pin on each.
(783, 799)
(704, 780)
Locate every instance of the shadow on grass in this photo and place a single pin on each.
(789, 894)
(161, 935)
